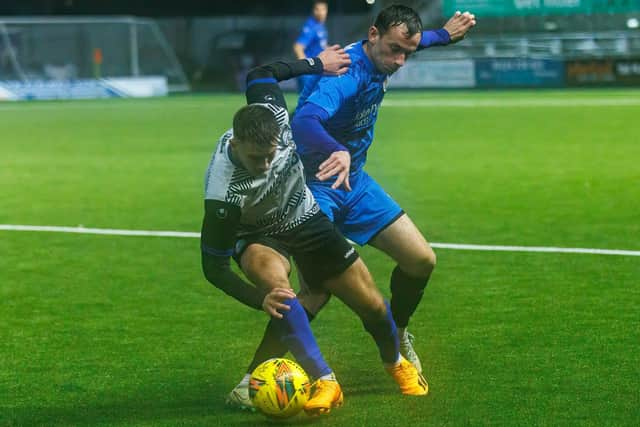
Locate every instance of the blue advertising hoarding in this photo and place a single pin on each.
(519, 72)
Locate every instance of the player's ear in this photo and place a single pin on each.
(373, 34)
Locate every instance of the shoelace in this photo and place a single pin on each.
(323, 385)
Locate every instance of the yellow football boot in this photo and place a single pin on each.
(410, 381)
(327, 394)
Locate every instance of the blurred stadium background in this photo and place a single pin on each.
(209, 46)
(122, 330)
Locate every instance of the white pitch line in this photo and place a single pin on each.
(471, 103)
(105, 231)
(464, 247)
(455, 246)
(613, 101)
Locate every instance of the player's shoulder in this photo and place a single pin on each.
(309, 24)
(358, 58)
(220, 159)
(226, 137)
(220, 170)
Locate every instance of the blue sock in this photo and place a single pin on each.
(271, 346)
(296, 334)
(385, 334)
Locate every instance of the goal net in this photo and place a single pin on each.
(77, 48)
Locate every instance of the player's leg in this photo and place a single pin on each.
(267, 269)
(294, 330)
(312, 300)
(375, 218)
(271, 346)
(329, 261)
(355, 287)
(415, 259)
(251, 259)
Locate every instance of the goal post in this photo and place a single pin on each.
(55, 49)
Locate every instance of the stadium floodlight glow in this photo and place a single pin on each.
(633, 23)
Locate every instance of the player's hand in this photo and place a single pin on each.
(335, 60)
(338, 163)
(459, 25)
(273, 301)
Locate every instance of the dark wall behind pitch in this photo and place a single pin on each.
(171, 8)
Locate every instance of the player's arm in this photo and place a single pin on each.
(219, 228)
(298, 50)
(303, 40)
(453, 31)
(262, 81)
(218, 237)
(309, 128)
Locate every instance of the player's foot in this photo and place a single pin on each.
(407, 351)
(327, 394)
(406, 375)
(239, 398)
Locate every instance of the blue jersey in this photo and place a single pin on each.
(313, 37)
(351, 101)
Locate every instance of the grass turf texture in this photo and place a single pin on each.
(125, 330)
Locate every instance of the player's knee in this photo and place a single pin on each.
(422, 265)
(313, 302)
(375, 313)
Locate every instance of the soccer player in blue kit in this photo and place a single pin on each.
(333, 129)
(313, 37)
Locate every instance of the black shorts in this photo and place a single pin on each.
(316, 245)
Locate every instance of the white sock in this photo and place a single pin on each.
(329, 377)
(245, 380)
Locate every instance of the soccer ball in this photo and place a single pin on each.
(279, 388)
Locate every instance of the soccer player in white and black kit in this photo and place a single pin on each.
(259, 211)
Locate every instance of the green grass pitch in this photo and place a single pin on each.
(106, 330)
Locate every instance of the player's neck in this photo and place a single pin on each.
(366, 46)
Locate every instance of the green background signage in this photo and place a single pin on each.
(539, 7)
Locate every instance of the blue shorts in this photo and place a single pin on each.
(359, 214)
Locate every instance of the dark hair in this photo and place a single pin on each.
(255, 124)
(315, 2)
(395, 15)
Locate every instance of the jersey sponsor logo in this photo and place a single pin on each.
(365, 117)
